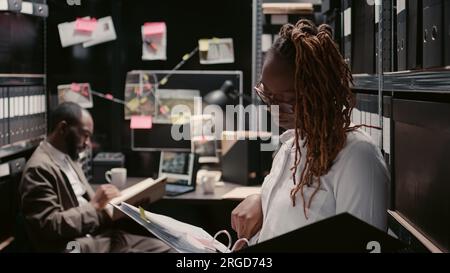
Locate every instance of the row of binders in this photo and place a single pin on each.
(22, 113)
(415, 33)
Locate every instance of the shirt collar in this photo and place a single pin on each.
(286, 136)
(57, 155)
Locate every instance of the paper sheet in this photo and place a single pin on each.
(104, 32)
(241, 193)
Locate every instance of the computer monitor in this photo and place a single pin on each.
(158, 138)
(180, 170)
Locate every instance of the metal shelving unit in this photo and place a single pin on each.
(429, 81)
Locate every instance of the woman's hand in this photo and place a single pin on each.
(247, 217)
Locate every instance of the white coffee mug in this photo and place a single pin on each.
(117, 177)
(208, 184)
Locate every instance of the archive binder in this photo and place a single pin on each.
(414, 35)
(447, 32)
(432, 33)
(401, 35)
(342, 233)
(363, 59)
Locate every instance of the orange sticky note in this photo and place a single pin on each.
(75, 87)
(154, 28)
(85, 24)
(141, 122)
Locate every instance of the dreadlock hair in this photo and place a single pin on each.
(324, 100)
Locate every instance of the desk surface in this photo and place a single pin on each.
(195, 195)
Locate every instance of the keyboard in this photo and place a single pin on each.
(173, 190)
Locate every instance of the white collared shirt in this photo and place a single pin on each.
(357, 183)
(62, 160)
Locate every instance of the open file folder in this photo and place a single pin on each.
(182, 237)
(341, 233)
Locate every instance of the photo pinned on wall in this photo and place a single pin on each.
(167, 99)
(72, 33)
(104, 32)
(203, 140)
(154, 41)
(87, 31)
(140, 94)
(216, 51)
(202, 126)
(79, 93)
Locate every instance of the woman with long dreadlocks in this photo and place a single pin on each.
(325, 165)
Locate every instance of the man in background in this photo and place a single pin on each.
(59, 205)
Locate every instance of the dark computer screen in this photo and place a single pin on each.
(175, 163)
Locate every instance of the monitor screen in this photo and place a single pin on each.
(177, 166)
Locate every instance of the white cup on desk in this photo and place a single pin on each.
(117, 177)
(208, 184)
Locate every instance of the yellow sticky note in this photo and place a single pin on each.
(215, 40)
(142, 214)
(185, 57)
(133, 104)
(203, 44)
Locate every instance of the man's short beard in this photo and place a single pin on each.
(72, 146)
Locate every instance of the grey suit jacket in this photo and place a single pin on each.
(50, 207)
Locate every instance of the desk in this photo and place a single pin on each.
(195, 195)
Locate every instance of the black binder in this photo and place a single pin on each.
(447, 31)
(414, 35)
(432, 33)
(342, 233)
(363, 60)
(401, 35)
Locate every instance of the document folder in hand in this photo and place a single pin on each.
(182, 237)
(144, 192)
(338, 234)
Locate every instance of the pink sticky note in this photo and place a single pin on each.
(85, 25)
(154, 28)
(141, 122)
(109, 96)
(75, 87)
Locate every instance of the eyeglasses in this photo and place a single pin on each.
(285, 98)
(262, 94)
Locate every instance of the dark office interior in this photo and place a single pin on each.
(398, 53)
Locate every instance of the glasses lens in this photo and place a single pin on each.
(259, 88)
